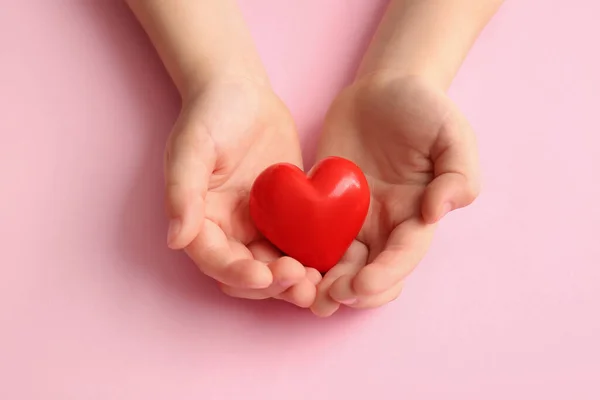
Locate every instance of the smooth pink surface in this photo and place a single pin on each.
(93, 305)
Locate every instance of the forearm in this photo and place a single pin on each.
(199, 41)
(429, 38)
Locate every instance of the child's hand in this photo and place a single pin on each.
(419, 155)
(231, 127)
(223, 139)
(414, 145)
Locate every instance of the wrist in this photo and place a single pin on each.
(385, 76)
(426, 38)
(224, 86)
(201, 79)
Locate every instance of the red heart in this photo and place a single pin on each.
(313, 218)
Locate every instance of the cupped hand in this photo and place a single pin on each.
(224, 137)
(420, 158)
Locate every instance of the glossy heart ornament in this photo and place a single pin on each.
(311, 217)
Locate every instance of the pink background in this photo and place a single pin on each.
(93, 305)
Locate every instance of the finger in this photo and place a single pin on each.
(304, 293)
(264, 251)
(404, 249)
(456, 169)
(248, 294)
(286, 272)
(212, 252)
(313, 276)
(341, 290)
(189, 162)
(379, 300)
(349, 265)
(324, 305)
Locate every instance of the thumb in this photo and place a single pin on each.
(189, 162)
(456, 169)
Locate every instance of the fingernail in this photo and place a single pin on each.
(446, 208)
(174, 228)
(349, 302)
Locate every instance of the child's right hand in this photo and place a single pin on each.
(225, 136)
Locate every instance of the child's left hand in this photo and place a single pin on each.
(419, 155)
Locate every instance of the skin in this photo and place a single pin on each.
(231, 127)
(416, 148)
(395, 121)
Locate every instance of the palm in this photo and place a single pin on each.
(395, 131)
(265, 136)
(227, 196)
